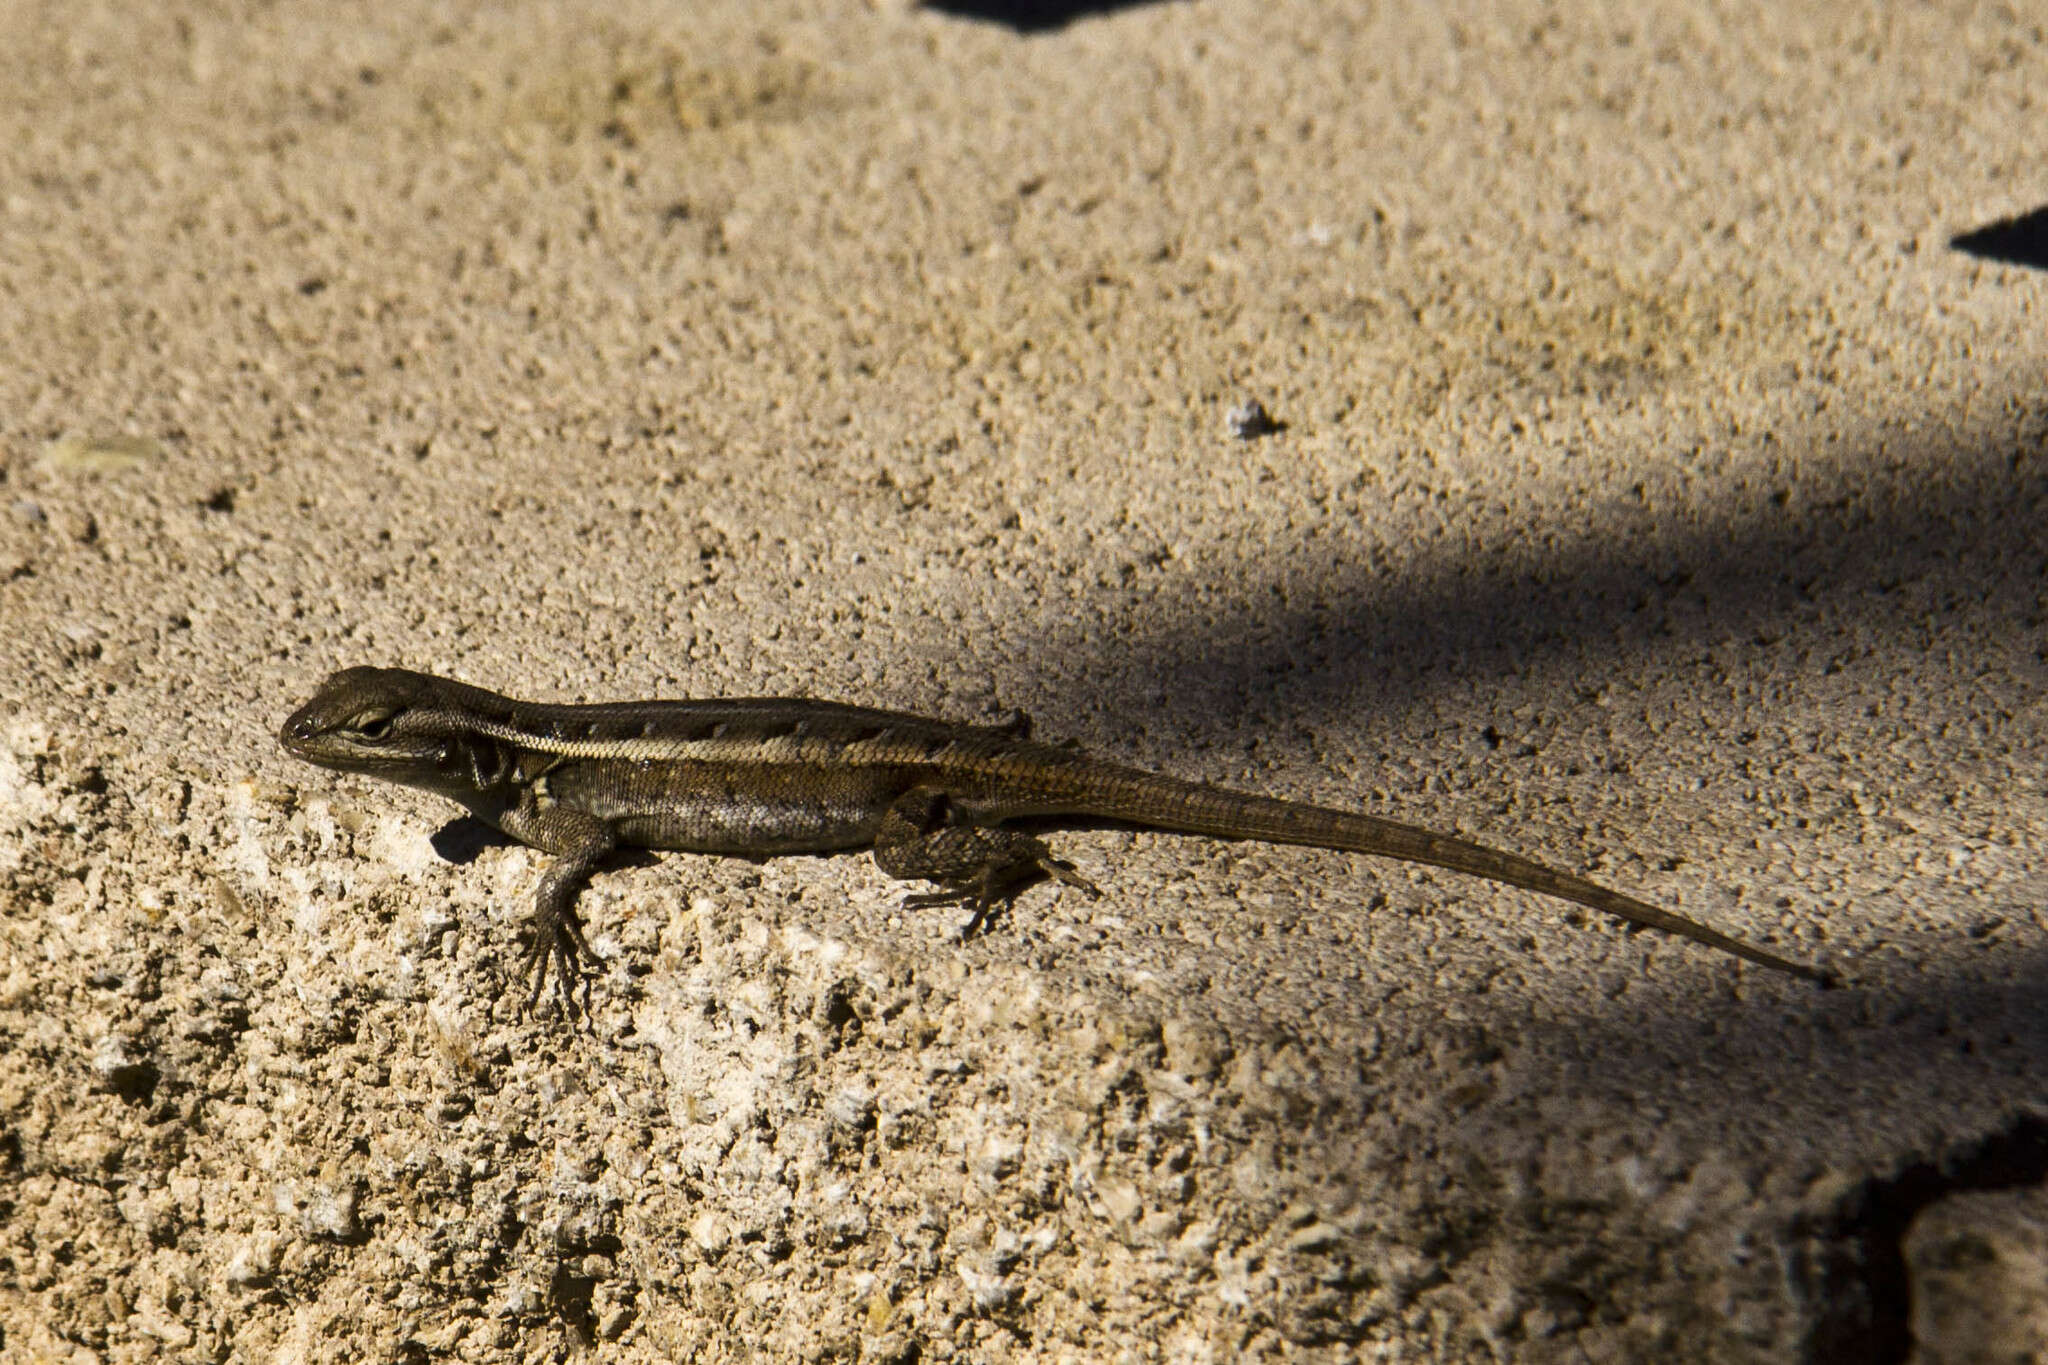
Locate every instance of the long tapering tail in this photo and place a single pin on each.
(1135, 797)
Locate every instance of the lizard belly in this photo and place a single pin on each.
(740, 808)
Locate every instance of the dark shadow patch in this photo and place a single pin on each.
(135, 1082)
(2012, 241)
(463, 838)
(1924, 536)
(572, 1295)
(1249, 421)
(1857, 1276)
(1032, 16)
(1871, 552)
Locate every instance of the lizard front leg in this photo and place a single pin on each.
(579, 841)
(979, 865)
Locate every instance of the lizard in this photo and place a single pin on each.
(757, 777)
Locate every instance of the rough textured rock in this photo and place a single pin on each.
(1979, 1266)
(1650, 487)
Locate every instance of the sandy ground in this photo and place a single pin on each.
(1660, 494)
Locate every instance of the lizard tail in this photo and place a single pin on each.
(1140, 798)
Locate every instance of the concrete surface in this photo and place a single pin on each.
(1660, 494)
(1979, 1265)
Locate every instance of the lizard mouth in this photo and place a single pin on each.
(301, 737)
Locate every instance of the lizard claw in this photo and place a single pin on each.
(996, 885)
(1064, 873)
(559, 948)
(980, 898)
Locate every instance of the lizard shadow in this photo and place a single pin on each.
(463, 839)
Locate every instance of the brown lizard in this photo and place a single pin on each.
(763, 776)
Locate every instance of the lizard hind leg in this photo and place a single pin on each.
(984, 867)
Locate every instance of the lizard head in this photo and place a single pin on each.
(387, 722)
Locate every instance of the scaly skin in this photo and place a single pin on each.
(763, 776)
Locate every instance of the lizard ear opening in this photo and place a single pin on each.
(373, 725)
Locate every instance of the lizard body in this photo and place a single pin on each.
(763, 776)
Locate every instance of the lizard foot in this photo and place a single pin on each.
(980, 866)
(559, 949)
